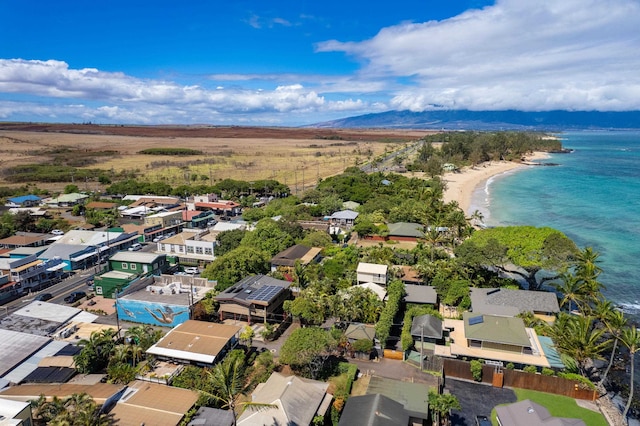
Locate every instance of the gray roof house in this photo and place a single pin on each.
(528, 413)
(420, 294)
(427, 326)
(373, 410)
(405, 231)
(257, 296)
(507, 302)
(343, 218)
(296, 401)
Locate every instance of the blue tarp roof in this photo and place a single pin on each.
(23, 198)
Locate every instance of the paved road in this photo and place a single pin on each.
(476, 400)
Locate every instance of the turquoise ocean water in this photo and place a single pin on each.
(592, 195)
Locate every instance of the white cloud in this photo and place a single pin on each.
(116, 97)
(548, 54)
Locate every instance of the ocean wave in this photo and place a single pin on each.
(630, 308)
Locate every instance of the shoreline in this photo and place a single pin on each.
(461, 185)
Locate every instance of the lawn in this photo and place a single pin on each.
(558, 406)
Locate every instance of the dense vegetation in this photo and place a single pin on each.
(471, 148)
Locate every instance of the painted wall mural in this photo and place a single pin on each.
(161, 314)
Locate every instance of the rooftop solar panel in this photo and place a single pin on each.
(476, 320)
(266, 293)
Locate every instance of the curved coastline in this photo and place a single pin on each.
(462, 185)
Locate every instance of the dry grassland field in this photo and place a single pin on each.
(289, 155)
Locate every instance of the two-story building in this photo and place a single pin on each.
(372, 273)
(190, 247)
(127, 266)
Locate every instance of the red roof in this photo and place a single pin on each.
(223, 205)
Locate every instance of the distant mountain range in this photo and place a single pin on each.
(491, 120)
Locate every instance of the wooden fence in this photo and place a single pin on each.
(520, 379)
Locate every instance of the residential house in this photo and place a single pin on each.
(191, 247)
(421, 295)
(127, 266)
(380, 291)
(409, 275)
(358, 331)
(254, 297)
(509, 302)
(67, 200)
(144, 403)
(373, 410)
(212, 417)
(26, 239)
(196, 342)
(295, 400)
(343, 218)
(167, 302)
(495, 338)
(286, 259)
(24, 201)
(405, 231)
(413, 396)
(529, 413)
(427, 332)
(99, 392)
(372, 273)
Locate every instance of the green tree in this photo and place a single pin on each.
(307, 349)
(229, 240)
(268, 237)
(441, 405)
(631, 339)
(246, 335)
(235, 265)
(530, 249)
(578, 337)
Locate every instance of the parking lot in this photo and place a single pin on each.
(476, 400)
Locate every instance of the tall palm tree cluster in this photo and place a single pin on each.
(590, 325)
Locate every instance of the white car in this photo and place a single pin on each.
(192, 270)
(57, 232)
(135, 247)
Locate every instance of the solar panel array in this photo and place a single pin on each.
(476, 320)
(266, 293)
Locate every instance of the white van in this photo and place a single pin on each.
(135, 247)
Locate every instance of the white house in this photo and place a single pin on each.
(191, 247)
(372, 273)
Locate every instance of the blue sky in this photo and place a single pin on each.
(299, 62)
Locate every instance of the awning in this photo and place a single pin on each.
(104, 248)
(83, 256)
(27, 266)
(57, 267)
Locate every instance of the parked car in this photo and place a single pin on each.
(75, 296)
(43, 297)
(135, 247)
(57, 232)
(158, 239)
(482, 421)
(191, 270)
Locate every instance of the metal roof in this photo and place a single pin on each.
(427, 326)
(371, 268)
(246, 290)
(495, 329)
(345, 215)
(15, 347)
(529, 413)
(406, 229)
(413, 396)
(198, 341)
(510, 302)
(420, 294)
(136, 256)
(373, 410)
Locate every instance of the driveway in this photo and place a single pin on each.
(476, 400)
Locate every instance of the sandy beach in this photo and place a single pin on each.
(462, 184)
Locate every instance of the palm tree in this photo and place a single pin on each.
(615, 322)
(572, 289)
(586, 264)
(581, 340)
(631, 339)
(120, 353)
(228, 382)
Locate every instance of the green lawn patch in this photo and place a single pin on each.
(559, 406)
